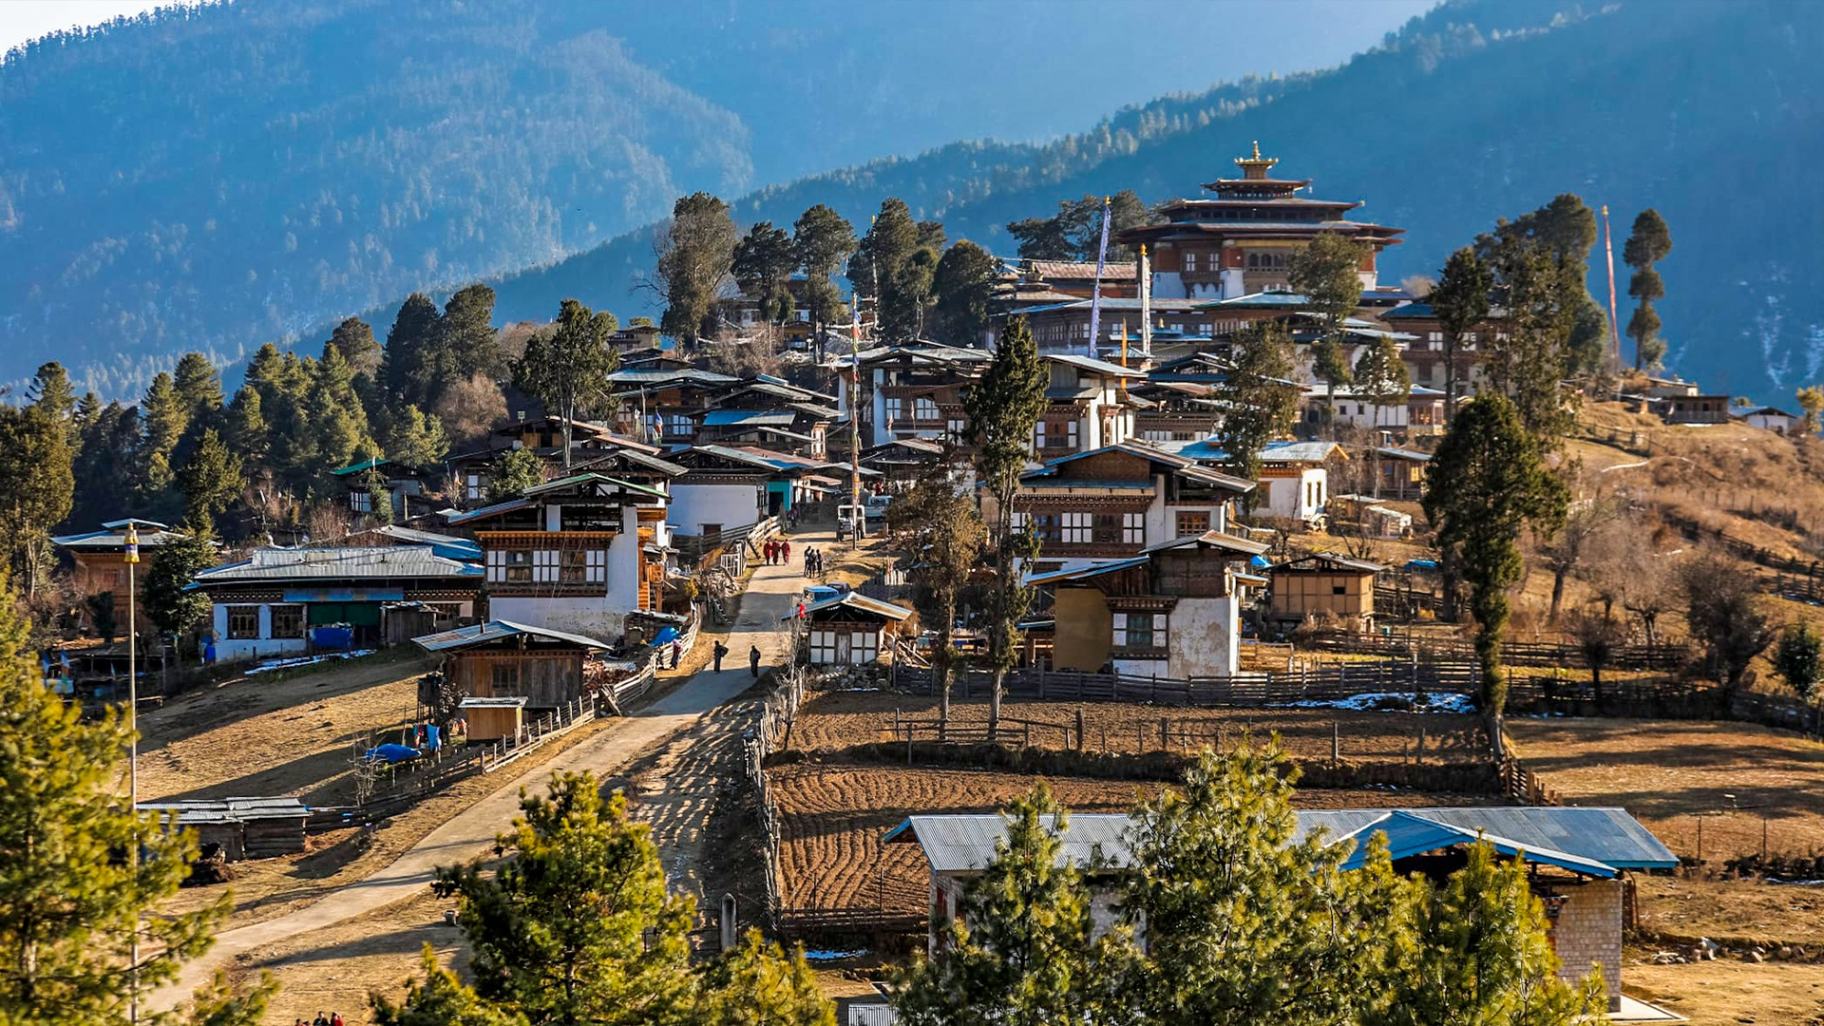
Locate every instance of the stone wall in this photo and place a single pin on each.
(1588, 932)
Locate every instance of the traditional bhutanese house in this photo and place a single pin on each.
(1085, 406)
(504, 659)
(902, 461)
(849, 629)
(1576, 860)
(1694, 409)
(270, 603)
(1079, 278)
(471, 472)
(1242, 239)
(1424, 354)
(575, 554)
(1294, 476)
(910, 391)
(1401, 473)
(1179, 400)
(772, 412)
(99, 561)
(1771, 418)
(727, 487)
(1175, 610)
(1323, 585)
(448, 546)
(1421, 412)
(1119, 499)
(661, 404)
(400, 483)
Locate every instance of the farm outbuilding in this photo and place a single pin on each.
(491, 719)
(1324, 585)
(504, 659)
(849, 629)
(244, 828)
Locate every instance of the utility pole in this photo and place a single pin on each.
(132, 561)
(855, 510)
(1608, 247)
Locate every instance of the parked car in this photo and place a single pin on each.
(877, 506)
(851, 520)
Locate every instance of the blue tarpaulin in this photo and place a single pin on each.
(666, 636)
(390, 754)
(332, 637)
(1421, 564)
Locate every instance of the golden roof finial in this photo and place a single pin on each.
(1257, 149)
(1255, 165)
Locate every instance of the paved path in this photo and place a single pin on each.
(772, 594)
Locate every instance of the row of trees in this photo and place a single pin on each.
(1243, 923)
(901, 268)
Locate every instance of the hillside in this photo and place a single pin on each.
(1480, 109)
(217, 177)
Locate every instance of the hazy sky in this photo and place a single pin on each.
(21, 20)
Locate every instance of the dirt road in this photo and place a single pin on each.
(771, 595)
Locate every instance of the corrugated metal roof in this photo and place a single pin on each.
(1088, 363)
(856, 600)
(1591, 840)
(494, 630)
(365, 562)
(1212, 539)
(728, 418)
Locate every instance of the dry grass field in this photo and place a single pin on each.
(834, 720)
(1727, 992)
(832, 818)
(1671, 773)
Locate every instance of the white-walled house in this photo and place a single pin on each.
(1774, 419)
(266, 604)
(575, 554)
(1294, 476)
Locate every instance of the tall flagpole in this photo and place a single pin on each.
(855, 509)
(1095, 296)
(132, 561)
(1608, 247)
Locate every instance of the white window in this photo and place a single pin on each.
(544, 566)
(957, 427)
(1470, 337)
(924, 409)
(677, 425)
(1019, 520)
(1133, 528)
(1038, 435)
(471, 486)
(1190, 263)
(360, 502)
(892, 407)
(1070, 434)
(1079, 528)
(1437, 336)
(509, 566)
(595, 565)
(843, 648)
(1139, 630)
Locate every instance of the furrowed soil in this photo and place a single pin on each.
(1737, 779)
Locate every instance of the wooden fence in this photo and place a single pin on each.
(1665, 657)
(774, 731)
(1247, 690)
(1664, 699)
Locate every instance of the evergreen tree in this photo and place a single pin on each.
(576, 926)
(50, 391)
(905, 305)
(1075, 231)
(1530, 364)
(1328, 273)
(167, 416)
(513, 472)
(1461, 302)
(1648, 243)
(105, 460)
(762, 265)
(248, 433)
(697, 253)
(440, 999)
(566, 366)
(1026, 957)
(199, 388)
(171, 608)
(1003, 407)
(1486, 483)
(211, 479)
(406, 371)
(821, 239)
(464, 342)
(417, 439)
(37, 488)
(354, 339)
(1481, 952)
(941, 532)
(1724, 610)
(891, 240)
(72, 896)
(1381, 378)
(335, 427)
(1798, 659)
(757, 984)
(1259, 400)
(964, 288)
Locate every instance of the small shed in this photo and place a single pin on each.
(502, 659)
(1323, 584)
(491, 719)
(245, 828)
(848, 629)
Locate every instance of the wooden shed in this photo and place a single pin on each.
(503, 659)
(245, 828)
(1323, 585)
(849, 629)
(491, 719)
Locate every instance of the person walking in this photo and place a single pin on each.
(677, 652)
(753, 660)
(335, 1019)
(785, 551)
(721, 650)
(766, 551)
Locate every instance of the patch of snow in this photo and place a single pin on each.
(1402, 701)
(267, 666)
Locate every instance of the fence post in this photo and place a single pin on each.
(1139, 738)
(1165, 734)
(1336, 742)
(1079, 728)
(1419, 756)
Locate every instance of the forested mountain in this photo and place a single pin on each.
(1712, 113)
(220, 176)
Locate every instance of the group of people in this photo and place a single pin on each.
(813, 561)
(753, 658)
(332, 1019)
(777, 550)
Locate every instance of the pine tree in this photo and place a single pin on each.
(757, 984)
(405, 370)
(906, 303)
(464, 343)
(354, 339)
(37, 488)
(1003, 407)
(1800, 659)
(762, 265)
(199, 387)
(576, 926)
(1461, 302)
(72, 895)
(1530, 363)
(1648, 243)
(1075, 231)
(697, 252)
(50, 391)
(1259, 401)
(941, 532)
(1487, 483)
(513, 472)
(171, 607)
(167, 415)
(964, 289)
(891, 240)
(1328, 273)
(1381, 378)
(248, 433)
(211, 480)
(821, 239)
(335, 426)
(440, 999)
(1026, 957)
(566, 366)
(417, 438)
